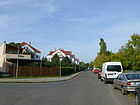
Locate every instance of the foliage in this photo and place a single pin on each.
(103, 47)
(102, 55)
(99, 60)
(55, 60)
(66, 62)
(14, 44)
(128, 54)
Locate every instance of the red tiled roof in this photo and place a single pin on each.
(24, 43)
(65, 52)
(51, 52)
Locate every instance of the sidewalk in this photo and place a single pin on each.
(39, 80)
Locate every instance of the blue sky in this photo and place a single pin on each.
(75, 25)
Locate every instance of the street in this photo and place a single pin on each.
(85, 89)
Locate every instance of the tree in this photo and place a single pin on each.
(103, 48)
(99, 60)
(66, 61)
(55, 60)
(14, 44)
(130, 53)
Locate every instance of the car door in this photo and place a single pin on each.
(117, 81)
(123, 80)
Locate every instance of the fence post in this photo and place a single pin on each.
(30, 71)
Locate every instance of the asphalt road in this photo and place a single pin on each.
(85, 89)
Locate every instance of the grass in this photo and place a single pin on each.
(131, 95)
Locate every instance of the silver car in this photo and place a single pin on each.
(127, 82)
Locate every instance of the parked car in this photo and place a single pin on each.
(110, 71)
(95, 71)
(99, 74)
(127, 82)
(137, 95)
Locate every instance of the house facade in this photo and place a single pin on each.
(10, 54)
(35, 54)
(61, 54)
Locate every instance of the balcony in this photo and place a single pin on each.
(19, 56)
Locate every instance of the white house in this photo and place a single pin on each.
(30, 49)
(62, 53)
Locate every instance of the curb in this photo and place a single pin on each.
(41, 80)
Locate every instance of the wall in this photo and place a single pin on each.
(2, 57)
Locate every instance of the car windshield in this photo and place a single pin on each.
(133, 76)
(114, 68)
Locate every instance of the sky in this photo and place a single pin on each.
(73, 25)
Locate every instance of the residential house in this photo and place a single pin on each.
(10, 55)
(35, 54)
(62, 53)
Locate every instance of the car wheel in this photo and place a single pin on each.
(123, 91)
(101, 79)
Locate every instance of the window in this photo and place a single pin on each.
(133, 76)
(114, 68)
(123, 77)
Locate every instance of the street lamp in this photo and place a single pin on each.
(60, 58)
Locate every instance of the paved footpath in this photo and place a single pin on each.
(39, 80)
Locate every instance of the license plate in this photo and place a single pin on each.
(110, 74)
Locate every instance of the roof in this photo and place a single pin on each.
(65, 52)
(24, 43)
(51, 52)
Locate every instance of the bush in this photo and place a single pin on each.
(67, 71)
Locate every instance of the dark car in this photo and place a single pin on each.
(137, 95)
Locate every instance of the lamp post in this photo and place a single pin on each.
(60, 59)
(60, 63)
(17, 62)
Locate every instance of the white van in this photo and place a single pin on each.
(110, 71)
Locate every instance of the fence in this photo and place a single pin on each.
(34, 71)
